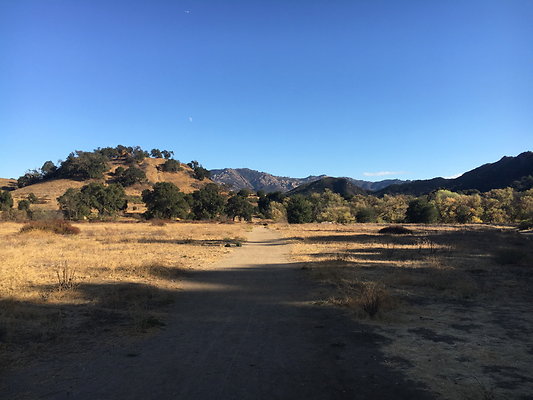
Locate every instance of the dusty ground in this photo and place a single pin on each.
(455, 305)
(246, 328)
(113, 279)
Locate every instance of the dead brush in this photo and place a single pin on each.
(426, 245)
(66, 277)
(58, 226)
(372, 298)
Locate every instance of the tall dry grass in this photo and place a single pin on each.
(110, 276)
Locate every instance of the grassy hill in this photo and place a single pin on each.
(7, 184)
(49, 190)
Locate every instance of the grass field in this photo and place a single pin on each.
(451, 305)
(111, 279)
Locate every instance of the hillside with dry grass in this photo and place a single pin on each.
(49, 190)
(7, 184)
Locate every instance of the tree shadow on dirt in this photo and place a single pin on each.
(264, 319)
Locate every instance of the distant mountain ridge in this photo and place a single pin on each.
(500, 174)
(343, 186)
(245, 178)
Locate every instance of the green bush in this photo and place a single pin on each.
(367, 214)
(171, 166)
(299, 210)
(421, 211)
(24, 205)
(6, 200)
(165, 201)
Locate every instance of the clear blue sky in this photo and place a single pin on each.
(420, 88)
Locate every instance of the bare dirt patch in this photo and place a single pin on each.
(454, 301)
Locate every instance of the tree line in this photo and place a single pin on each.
(165, 200)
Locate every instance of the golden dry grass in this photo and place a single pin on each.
(112, 276)
(457, 319)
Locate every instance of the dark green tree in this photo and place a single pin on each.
(84, 165)
(207, 203)
(167, 154)
(130, 176)
(29, 178)
(367, 214)
(74, 204)
(156, 153)
(108, 200)
(299, 210)
(24, 205)
(6, 200)
(48, 169)
(238, 206)
(171, 166)
(199, 172)
(421, 211)
(165, 201)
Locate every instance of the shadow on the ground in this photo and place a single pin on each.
(310, 351)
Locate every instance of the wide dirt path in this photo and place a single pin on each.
(243, 329)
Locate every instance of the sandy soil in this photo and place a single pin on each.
(245, 328)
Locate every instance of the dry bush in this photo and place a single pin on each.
(66, 277)
(58, 226)
(372, 298)
(395, 230)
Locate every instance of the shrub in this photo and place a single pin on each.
(421, 211)
(367, 214)
(6, 201)
(396, 230)
(32, 198)
(372, 298)
(171, 166)
(299, 210)
(58, 226)
(24, 205)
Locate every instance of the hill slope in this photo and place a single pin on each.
(48, 191)
(342, 186)
(484, 178)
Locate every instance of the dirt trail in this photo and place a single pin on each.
(243, 329)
